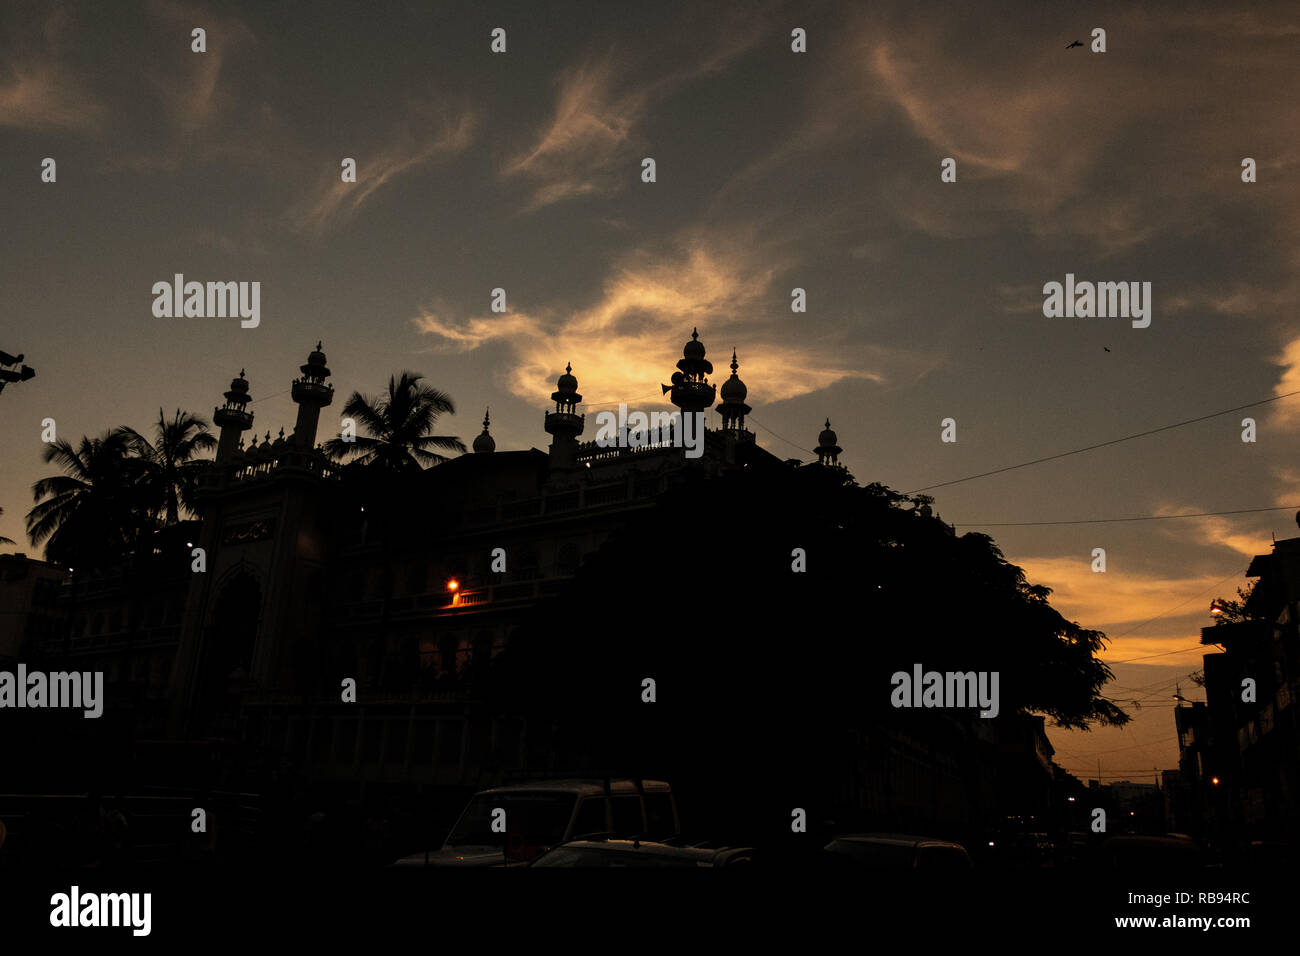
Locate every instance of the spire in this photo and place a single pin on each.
(485, 444)
(732, 408)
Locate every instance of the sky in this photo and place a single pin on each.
(775, 170)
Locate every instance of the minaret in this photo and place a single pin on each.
(691, 391)
(485, 444)
(232, 418)
(828, 453)
(732, 408)
(312, 394)
(564, 423)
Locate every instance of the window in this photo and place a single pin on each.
(626, 813)
(534, 817)
(659, 816)
(591, 818)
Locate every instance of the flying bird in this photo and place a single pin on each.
(1075, 43)
(1105, 348)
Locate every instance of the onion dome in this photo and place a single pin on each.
(316, 364)
(732, 408)
(692, 361)
(567, 382)
(485, 443)
(827, 437)
(694, 348)
(566, 388)
(733, 389)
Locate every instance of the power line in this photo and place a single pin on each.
(1198, 514)
(1181, 650)
(1104, 444)
(1138, 627)
(786, 440)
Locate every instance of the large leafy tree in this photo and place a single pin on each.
(772, 607)
(400, 426)
(95, 512)
(171, 466)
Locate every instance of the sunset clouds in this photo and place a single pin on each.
(776, 171)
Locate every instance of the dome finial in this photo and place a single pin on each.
(568, 367)
(695, 332)
(734, 364)
(318, 342)
(485, 442)
(241, 373)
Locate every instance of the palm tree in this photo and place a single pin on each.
(171, 469)
(399, 426)
(93, 513)
(3, 539)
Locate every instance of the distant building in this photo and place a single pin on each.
(29, 602)
(1240, 753)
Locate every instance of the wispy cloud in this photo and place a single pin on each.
(590, 145)
(627, 341)
(434, 130)
(192, 94)
(40, 91)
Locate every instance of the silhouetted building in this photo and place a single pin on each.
(29, 602)
(399, 590)
(1240, 754)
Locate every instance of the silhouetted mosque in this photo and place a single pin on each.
(303, 586)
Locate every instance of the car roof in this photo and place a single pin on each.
(893, 839)
(582, 787)
(650, 847)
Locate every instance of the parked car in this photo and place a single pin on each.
(898, 851)
(1168, 852)
(544, 814)
(637, 853)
